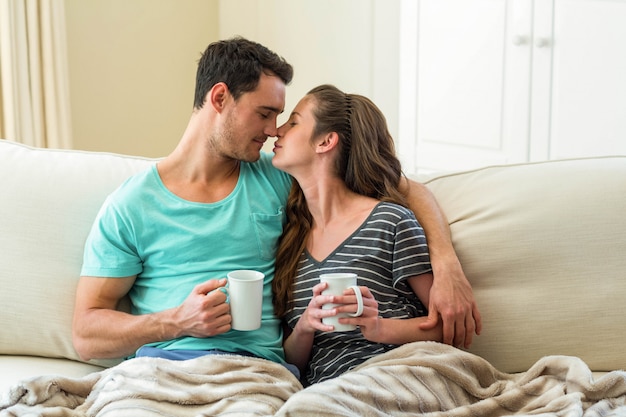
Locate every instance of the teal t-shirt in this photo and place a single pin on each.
(172, 245)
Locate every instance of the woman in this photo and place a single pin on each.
(346, 214)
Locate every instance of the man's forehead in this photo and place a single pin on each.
(269, 94)
(273, 109)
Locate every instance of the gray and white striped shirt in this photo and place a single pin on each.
(389, 247)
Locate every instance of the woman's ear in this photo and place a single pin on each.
(328, 142)
(217, 96)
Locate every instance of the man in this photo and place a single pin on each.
(168, 235)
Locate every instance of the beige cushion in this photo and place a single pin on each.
(49, 201)
(19, 368)
(544, 246)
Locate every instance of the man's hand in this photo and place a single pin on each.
(205, 312)
(452, 299)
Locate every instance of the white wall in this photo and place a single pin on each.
(132, 67)
(132, 63)
(350, 43)
(132, 71)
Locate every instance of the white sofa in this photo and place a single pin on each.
(49, 201)
(543, 244)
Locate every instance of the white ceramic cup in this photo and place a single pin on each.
(337, 284)
(245, 293)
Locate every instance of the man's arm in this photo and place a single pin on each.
(451, 296)
(100, 331)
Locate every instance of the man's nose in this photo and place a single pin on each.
(271, 130)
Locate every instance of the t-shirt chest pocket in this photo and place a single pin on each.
(267, 230)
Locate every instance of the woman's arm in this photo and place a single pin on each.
(299, 342)
(391, 330)
(451, 296)
(298, 347)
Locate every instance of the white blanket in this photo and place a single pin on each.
(214, 385)
(416, 379)
(432, 379)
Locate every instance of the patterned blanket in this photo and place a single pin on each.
(422, 378)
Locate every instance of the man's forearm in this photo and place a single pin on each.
(434, 222)
(452, 298)
(104, 334)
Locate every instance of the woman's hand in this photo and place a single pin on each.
(311, 319)
(369, 322)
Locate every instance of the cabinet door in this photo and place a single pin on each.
(579, 104)
(472, 89)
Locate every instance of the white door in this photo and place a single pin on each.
(579, 104)
(488, 82)
(471, 105)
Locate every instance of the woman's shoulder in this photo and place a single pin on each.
(393, 209)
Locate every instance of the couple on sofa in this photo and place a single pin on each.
(217, 204)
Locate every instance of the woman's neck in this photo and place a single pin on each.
(337, 213)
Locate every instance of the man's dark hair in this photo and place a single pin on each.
(239, 63)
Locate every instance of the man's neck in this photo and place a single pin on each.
(199, 176)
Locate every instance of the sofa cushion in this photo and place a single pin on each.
(49, 201)
(18, 368)
(544, 246)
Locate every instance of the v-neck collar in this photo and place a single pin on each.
(345, 241)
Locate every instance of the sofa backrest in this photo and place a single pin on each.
(544, 246)
(48, 201)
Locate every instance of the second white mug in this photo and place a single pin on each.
(337, 283)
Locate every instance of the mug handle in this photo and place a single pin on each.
(359, 301)
(223, 290)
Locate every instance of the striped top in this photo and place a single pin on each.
(388, 248)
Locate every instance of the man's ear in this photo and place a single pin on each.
(217, 96)
(328, 142)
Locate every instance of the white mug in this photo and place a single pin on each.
(337, 283)
(245, 293)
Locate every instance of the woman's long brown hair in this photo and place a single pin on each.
(367, 163)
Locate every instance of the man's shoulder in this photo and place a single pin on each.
(134, 187)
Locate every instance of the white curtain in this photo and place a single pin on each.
(34, 92)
